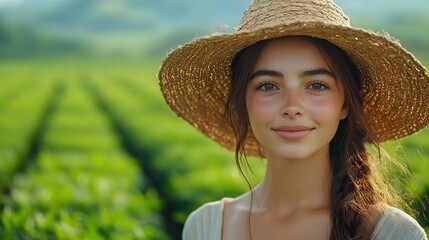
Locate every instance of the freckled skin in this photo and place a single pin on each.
(294, 100)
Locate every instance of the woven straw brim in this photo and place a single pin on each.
(195, 79)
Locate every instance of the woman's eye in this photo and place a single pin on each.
(267, 87)
(317, 86)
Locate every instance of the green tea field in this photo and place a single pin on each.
(90, 150)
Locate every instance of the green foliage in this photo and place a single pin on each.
(82, 184)
(19, 40)
(77, 125)
(188, 167)
(81, 196)
(18, 122)
(417, 158)
(409, 174)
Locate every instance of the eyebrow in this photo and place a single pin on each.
(265, 73)
(319, 71)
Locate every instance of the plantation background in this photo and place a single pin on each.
(88, 147)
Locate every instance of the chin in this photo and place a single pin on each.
(290, 154)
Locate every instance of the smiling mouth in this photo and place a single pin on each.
(293, 132)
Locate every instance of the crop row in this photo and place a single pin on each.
(67, 138)
(187, 168)
(81, 185)
(20, 120)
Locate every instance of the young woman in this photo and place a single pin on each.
(298, 86)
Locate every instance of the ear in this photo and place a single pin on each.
(344, 113)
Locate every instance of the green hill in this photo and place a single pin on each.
(137, 28)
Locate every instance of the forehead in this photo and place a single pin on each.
(291, 52)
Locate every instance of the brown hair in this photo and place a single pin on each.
(353, 190)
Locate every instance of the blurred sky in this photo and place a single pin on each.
(8, 2)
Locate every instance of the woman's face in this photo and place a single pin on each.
(293, 100)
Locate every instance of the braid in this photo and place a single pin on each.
(353, 192)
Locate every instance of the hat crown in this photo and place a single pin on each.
(266, 13)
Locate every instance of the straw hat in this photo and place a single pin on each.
(195, 77)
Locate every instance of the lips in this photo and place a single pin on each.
(293, 132)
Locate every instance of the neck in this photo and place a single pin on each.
(296, 184)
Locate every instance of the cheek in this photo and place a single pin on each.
(329, 108)
(261, 110)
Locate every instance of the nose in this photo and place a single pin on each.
(292, 105)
